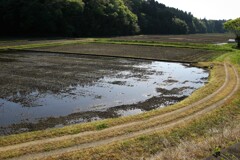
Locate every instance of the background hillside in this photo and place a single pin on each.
(98, 18)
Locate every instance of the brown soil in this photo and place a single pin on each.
(191, 38)
(148, 52)
(23, 73)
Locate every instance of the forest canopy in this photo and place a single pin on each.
(234, 26)
(98, 18)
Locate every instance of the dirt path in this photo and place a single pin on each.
(130, 135)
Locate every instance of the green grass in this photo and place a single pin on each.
(233, 57)
(101, 126)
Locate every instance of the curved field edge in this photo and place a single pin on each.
(207, 133)
(147, 145)
(137, 128)
(215, 81)
(202, 130)
(51, 146)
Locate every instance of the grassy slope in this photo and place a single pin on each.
(104, 133)
(202, 130)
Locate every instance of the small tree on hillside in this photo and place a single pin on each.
(234, 26)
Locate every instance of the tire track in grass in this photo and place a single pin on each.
(21, 145)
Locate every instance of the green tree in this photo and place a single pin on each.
(199, 25)
(180, 26)
(98, 18)
(108, 17)
(234, 26)
(41, 17)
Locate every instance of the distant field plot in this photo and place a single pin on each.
(136, 51)
(191, 38)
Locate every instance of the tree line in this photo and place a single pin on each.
(98, 18)
(234, 27)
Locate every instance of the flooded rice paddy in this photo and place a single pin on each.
(39, 91)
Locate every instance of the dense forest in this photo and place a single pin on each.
(98, 18)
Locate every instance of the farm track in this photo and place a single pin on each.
(149, 129)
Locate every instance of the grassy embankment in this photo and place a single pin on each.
(149, 144)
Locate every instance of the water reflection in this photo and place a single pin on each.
(141, 86)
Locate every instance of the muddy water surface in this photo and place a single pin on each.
(39, 91)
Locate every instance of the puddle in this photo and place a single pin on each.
(114, 87)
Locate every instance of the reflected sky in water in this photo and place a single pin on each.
(125, 87)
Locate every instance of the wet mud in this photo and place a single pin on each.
(40, 91)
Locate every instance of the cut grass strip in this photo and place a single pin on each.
(147, 145)
(150, 144)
